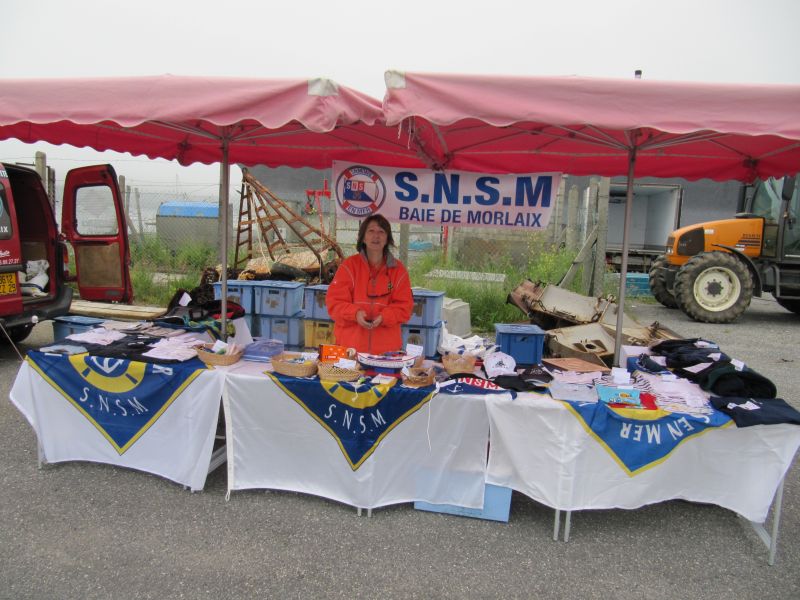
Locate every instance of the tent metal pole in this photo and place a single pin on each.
(224, 175)
(623, 269)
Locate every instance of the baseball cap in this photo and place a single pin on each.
(499, 363)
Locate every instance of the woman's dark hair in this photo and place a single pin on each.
(383, 223)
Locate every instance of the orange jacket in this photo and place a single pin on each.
(387, 294)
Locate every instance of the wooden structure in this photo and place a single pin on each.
(123, 312)
(259, 206)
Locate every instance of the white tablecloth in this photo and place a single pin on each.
(541, 449)
(177, 445)
(437, 454)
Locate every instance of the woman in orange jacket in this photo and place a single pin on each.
(370, 296)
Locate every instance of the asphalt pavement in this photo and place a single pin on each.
(84, 530)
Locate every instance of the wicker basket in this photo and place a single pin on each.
(458, 363)
(287, 363)
(419, 377)
(330, 372)
(205, 354)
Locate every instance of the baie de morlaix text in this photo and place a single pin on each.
(462, 198)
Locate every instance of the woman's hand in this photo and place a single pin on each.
(361, 319)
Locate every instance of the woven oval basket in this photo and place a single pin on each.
(219, 360)
(419, 377)
(458, 363)
(292, 364)
(330, 372)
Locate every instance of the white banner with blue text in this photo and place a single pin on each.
(457, 198)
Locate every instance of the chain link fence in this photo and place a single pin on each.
(173, 241)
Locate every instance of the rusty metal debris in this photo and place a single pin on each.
(581, 326)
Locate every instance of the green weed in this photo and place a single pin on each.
(540, 261)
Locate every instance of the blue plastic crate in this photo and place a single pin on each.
(521, 341)
(69, 324)
(283, 298)
(288, 330)
(314, 305)
(253, 324)
(496, 505)
(637, 284)
(427, 337)
(427, 307)
(240, 291)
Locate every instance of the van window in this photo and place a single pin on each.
(95, 211)
(6, 230)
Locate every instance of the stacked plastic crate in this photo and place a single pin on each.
(424, 328)
(278, 306)
(242, 293)
(318, 326)
(273, 309)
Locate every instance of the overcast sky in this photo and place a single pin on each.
(354, 42)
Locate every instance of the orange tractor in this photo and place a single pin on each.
(712, 270)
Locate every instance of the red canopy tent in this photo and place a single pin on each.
(291, 122)
(583, 126)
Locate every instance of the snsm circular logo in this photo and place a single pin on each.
(360, 191)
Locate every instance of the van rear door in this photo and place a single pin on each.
(10, 251)
(93, 222)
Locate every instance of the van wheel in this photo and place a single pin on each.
(658, 283)
(791, 304)
(17, 334)
(713, 287)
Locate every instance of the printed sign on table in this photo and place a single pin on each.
(121, 398)
(639, 439)
(358, 416)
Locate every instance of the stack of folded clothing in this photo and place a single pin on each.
(704, 363)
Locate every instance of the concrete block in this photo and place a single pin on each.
(455, 313)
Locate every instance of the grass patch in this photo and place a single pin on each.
(157, 271)
(158, 293)
(155, 255)
(541, 262)
(538, 260)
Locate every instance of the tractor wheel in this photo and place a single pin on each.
(658, 283)
(791, 304)
(17, 334)
(713, 287)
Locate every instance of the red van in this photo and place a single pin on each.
(34, 255)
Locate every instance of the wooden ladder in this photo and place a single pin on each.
(258, 205)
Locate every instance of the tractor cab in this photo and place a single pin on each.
(712, 270)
